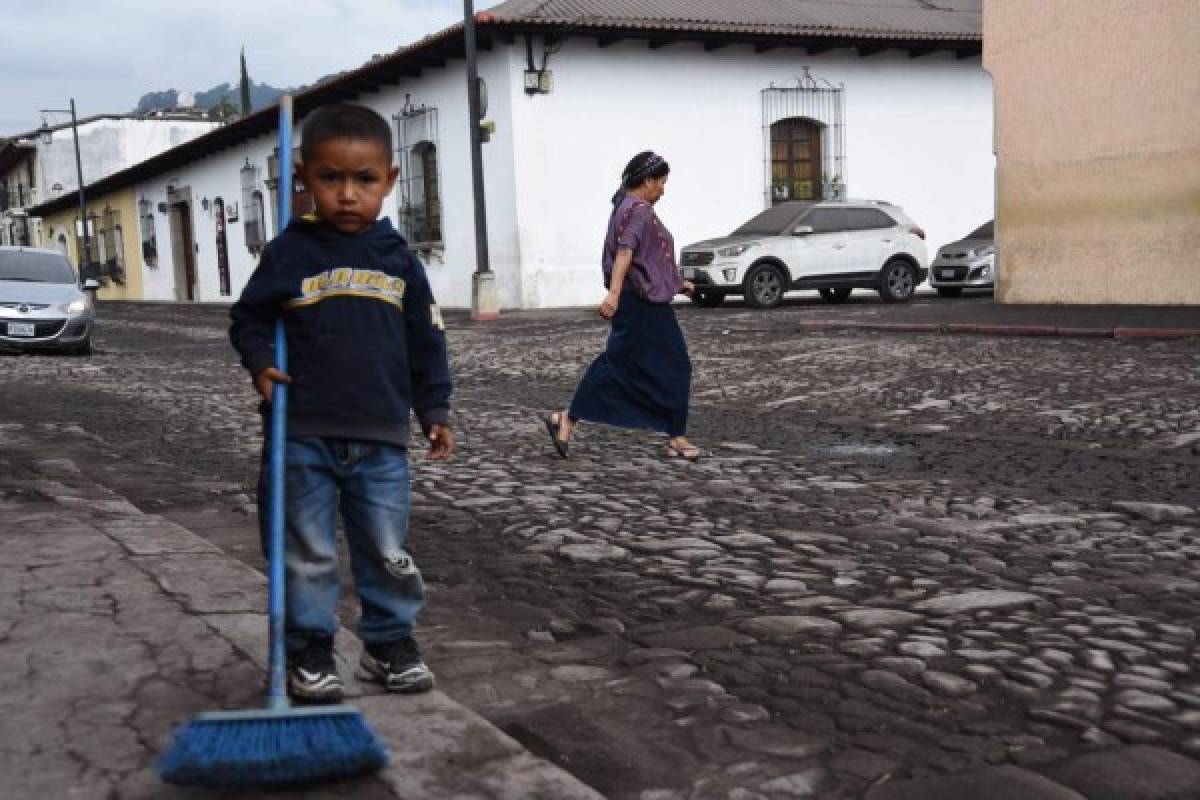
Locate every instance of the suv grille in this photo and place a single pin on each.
(31, 306)
(697, 258)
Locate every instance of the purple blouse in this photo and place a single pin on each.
(653, 273)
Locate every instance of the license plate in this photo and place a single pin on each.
(20, 329)
(950, 273)
(688, 273)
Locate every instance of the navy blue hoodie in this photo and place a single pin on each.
(365, 339)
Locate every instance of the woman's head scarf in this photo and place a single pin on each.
(642, 166)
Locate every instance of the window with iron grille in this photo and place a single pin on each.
(89, 258)
(112, 245)
(16, 232)
(419, 199)
(804, 139)
(149, 238)
(254, 219)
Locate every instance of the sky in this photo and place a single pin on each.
(108, 54)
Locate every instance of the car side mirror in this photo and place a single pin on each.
(91, 285)
(802, 230)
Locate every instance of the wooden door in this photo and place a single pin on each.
(796, 160)
(184, 251)
(222, 248)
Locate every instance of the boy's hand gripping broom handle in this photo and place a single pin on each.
(280, 745)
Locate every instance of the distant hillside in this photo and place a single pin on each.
(261, 95)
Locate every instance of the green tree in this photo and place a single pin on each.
(244, 87)
(224, 109)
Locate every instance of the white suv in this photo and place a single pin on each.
(833, 247)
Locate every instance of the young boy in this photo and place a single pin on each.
(365, 345)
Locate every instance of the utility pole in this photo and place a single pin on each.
(484, 304)
(47, 138)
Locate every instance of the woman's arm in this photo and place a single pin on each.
(620, 268)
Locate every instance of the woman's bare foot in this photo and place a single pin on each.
(565, 425)
(559, 426)
(680, 447)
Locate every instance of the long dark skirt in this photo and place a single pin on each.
(643, 378)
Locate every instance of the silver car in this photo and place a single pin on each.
(969, 263)
(42, 305)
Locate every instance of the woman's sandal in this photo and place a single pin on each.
(689, 453)
(553, 426)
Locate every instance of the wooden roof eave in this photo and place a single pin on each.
(914, 45)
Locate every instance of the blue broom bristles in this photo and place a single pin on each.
(272, 748)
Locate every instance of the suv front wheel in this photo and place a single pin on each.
(897, 281)
(765, 286)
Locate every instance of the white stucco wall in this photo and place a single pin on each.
(918, 133)
(215, 176)
(449, 268)
(107, 146)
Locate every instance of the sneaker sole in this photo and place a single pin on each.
(326, 694)
(370, 670)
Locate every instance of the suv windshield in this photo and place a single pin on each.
(984, 231)
(22, 265)
(773, 221)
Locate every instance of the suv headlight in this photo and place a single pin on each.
(75, 306)
(735, 249)
(985, 251)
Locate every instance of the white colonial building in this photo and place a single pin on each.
(39, 165)
(751, 101)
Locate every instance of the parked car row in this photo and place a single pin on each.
(833, 247)
(42, 305)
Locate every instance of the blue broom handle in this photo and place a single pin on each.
(277, 692)
(275, 599)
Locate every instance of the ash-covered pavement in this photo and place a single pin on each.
(911, 564)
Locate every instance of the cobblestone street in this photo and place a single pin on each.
(906, 557)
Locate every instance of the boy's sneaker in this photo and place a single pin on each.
(398, 666)
(312, 674)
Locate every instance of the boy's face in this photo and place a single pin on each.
(349, 178)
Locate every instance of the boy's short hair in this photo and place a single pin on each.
(344, 121)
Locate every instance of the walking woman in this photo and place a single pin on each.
(643, 378)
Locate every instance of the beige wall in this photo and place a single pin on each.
(125, 203)
(1098, 149)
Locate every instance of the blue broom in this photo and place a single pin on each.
(279, 745)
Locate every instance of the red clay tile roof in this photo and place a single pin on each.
(959, 20)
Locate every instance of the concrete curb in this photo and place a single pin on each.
(440, 748)
(989, 329)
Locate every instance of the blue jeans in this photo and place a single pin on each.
(369, 483)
